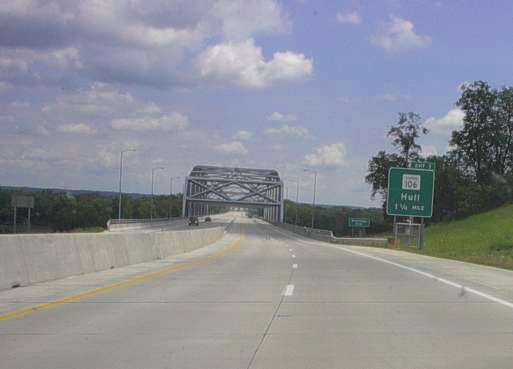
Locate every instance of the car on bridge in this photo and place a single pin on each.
(193, 221)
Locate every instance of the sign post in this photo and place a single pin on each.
(411, 193)
(19, 201)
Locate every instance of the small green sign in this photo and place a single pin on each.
(410, 192)
(359, 222)
(428, 165)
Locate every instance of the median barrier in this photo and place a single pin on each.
(28, 259)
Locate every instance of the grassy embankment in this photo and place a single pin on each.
(485, 238)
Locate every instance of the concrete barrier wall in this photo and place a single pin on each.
(27, 259)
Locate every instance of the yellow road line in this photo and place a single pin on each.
(128, 282)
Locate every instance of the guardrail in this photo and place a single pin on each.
(327, 236)
(130, 224)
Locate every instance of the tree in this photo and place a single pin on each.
(404, 135)
(379, 166)
(474, 143)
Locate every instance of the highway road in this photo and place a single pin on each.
(221, 220)
(261, 298)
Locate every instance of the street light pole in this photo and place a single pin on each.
(121, 178)
(314, 192)
(152, 182)
(171, 194)
(297, 201)
(297, 181)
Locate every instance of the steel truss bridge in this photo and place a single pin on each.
(234, 187)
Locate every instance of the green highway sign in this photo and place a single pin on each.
(359, 222)
(410, 192)
(422, 165)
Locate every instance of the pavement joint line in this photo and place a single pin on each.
(268, 328)
(417, 271)
(125, 283)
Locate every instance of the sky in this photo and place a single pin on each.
(284, 85)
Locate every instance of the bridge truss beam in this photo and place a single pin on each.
(234, 187)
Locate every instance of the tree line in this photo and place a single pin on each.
(476, 174)
(57, 211)
(334, 218)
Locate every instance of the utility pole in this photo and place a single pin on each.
(121, 179)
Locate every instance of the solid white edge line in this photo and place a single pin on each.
(294, 266)
(289, 290)
(428, 275)
(425, 274)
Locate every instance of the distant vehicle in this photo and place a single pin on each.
(193, 221)
(208, 219)
(250, 216)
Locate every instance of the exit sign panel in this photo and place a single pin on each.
(359, 222)
(410, 192)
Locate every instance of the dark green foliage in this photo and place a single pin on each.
(477, 174)
(61, 212)
(333, 218)
(405, 133)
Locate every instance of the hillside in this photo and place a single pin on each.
(485, 238)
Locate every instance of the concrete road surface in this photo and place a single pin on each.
(270, 300)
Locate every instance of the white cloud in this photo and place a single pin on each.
(429, 150)
(98, 99)
(243, 135)
(78, 128)
(390, 97)
(242, 18)
(4, 86)
(168, 122)
(106, 158)
(232, 148)
(327, 156)
(282, 117)
(398, 36)
(132, 41)
(242, 63)
(453, 120)
(351, 18)
(288, 131)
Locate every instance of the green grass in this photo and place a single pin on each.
(485, 238)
